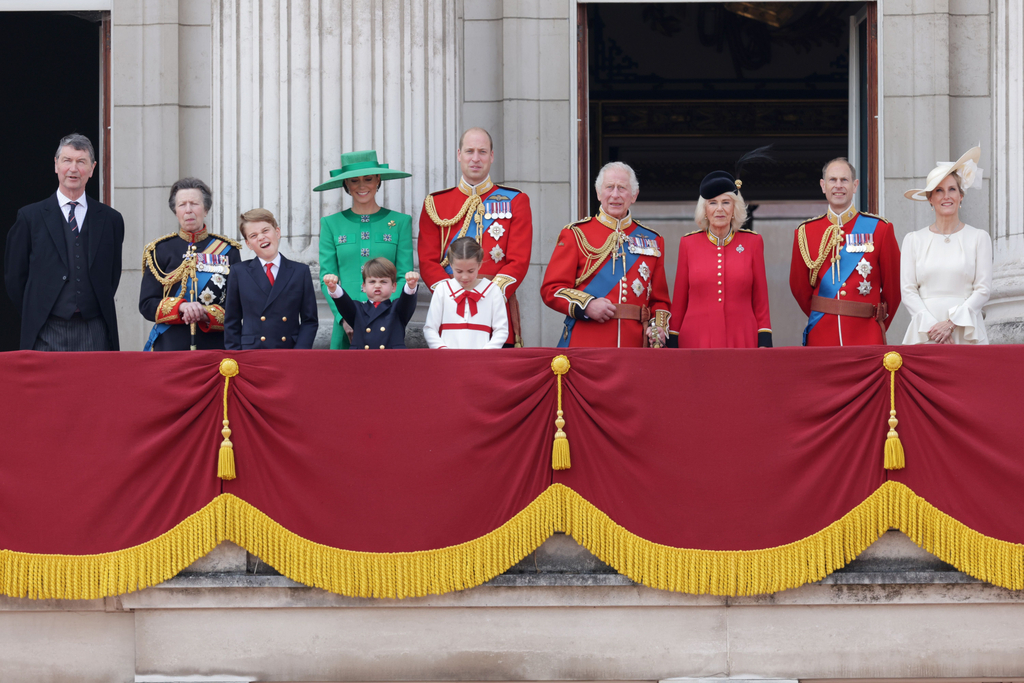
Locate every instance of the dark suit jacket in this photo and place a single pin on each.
(258, 316)
(380, 327)
(36, 262)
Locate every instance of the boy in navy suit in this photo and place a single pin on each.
(380, 322)
(270, 302)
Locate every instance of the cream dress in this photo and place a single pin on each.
(946, 281)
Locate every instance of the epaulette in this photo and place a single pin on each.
(579, 222)
(695, 232)
(873, 215)
(222, 238)
(447, 189)
(148, 249)
(509, 187)
(811, 220)
(658, 234)
(747, 230)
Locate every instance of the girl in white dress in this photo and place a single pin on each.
(467, 311)
(946, 268)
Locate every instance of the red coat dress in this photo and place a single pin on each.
(721, 294)
(571, 275)
(874, 277)
(506, 241)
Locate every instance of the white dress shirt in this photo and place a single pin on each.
(80, 210)
(273, 268)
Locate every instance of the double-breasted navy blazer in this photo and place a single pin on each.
(36, 262)
(258, 316)
(377, 327)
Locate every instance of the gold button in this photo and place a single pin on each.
(284, 320)
(263, 317)
(382, 346)
(382, 329)
(719, 291)
(622, 300)
(844, 284)
(623, 278)
(367, 346)
(842, 293)
(367, 331)
(283, 339)
(719, 301)
(263, 339)
(719, 282)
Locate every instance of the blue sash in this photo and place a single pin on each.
(605, 280)
(864, 225)
(501, 191)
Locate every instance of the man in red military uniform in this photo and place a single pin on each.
(845, 272)
(498, 217)
(607, 273)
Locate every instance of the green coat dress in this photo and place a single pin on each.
(347, 242)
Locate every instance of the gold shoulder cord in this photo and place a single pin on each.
(595, 256)
(830, 240)
(472, 209)
(165, 279)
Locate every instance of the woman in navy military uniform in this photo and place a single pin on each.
(181, 293)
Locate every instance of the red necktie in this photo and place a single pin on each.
(472, 297)
(270, 275)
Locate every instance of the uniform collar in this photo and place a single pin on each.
(842, 218)
(480, 190)
(196, 237)
(720, 242)
(619, 224)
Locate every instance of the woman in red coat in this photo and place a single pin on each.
(721, 292)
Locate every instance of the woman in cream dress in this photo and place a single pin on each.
(946, 268)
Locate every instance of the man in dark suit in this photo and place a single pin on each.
(270, 302)
(63, 261)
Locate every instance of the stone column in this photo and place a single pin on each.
(160, 68)
(297, 83)
(1005, 310)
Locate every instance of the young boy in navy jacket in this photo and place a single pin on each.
(270, 302)
(378, 323)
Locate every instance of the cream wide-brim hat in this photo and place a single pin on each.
(966, 167)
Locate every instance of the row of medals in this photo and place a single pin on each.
(860, 243)
(498, 210)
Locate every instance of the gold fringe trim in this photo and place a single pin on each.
(395, 575)
(88, 577)
(458, 567)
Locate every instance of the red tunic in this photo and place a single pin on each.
(882, 278)
(721, 294)
(643, 285)
(506, 243)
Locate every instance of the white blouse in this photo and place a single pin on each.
(446, 329)
(943, 280)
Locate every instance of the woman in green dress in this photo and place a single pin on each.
(350, 238)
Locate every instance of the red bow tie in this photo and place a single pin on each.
(467, 295)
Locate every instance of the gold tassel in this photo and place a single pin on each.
(560, 449)
(226, 461)
(894, 459)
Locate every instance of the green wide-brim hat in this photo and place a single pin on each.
(356, 165)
